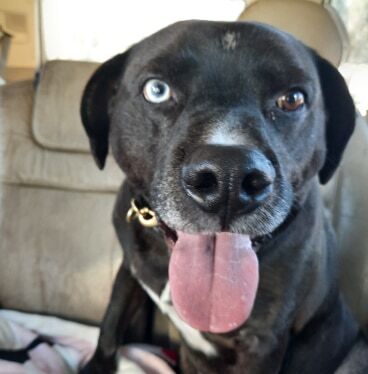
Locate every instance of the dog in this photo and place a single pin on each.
(224, 131)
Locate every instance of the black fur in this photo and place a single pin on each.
(299, 323)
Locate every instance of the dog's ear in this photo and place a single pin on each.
(95, 102)
(340, 116)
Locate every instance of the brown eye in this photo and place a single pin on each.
(291, 101)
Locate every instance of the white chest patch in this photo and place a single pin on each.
(193, 337)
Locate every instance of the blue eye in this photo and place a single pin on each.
(156, 91)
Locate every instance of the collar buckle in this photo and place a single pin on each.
(146, 216)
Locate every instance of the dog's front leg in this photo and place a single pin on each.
(124, 303)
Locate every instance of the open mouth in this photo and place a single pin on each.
(171, 237)
(213, 278)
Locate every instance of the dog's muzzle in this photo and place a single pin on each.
(227, 180)
(214, 276)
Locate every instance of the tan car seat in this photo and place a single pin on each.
(318, 26)
(58, 249)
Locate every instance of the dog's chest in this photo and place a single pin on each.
(193, 338)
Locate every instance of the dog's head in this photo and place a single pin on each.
(219, 125)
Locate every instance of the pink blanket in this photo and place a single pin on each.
(33, 344)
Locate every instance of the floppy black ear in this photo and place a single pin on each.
(94, 106)
(340, 112)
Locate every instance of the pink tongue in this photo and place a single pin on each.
(213, 280)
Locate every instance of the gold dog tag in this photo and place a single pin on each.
(146, 217)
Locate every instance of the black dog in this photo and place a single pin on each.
(225, 130)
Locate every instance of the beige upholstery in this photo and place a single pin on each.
(53, 126)
(29, 161)
(347, 199)
(58, 250)
(318, 26)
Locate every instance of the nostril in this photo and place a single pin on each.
(203, 181)
(255, 183)
(203, 186)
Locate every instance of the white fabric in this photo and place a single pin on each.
(74, 344)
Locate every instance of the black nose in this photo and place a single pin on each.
(228, 179)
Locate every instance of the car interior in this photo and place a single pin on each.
(59, 252)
